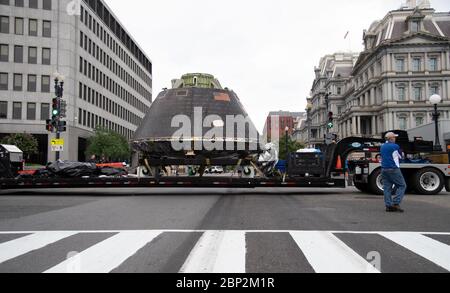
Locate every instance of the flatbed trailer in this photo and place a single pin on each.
(170, 182)
(327, 170)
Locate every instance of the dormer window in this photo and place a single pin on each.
(415, 21)
(415, 26)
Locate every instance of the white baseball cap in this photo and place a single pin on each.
(390, 134)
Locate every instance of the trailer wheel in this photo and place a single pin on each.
(376, 183)
(428, 181)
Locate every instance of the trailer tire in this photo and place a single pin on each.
(375, 183)
(428, 181)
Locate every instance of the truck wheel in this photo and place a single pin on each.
(428, 181)
(376, 183)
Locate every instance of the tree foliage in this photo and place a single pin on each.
(24, 141)
(108, 145)
(293, 146)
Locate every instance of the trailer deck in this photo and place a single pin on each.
(169, 182)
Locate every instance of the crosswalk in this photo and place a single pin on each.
(209, 251)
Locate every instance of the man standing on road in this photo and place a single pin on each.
(391, 174)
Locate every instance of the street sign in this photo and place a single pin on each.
(57, 142)
(57, 148)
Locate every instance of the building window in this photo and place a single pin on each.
(32, 83)
(46, 29)
(17, 111)
(433, 64)
(3, 110)
(47, 4)
(339, 91)
(4, 81)
(45, 56)
(32, 55)
(18, 82)
(45, 111)
(45, 84)
(18, 54)
(18, 3)
(417, 93)
(402, 123)
(417, 64)
(415, 26)
(401, 94)
(434, 90)
(33, 27)
(31, 111)
(4, 53)
(18, 27)
(33, 4)
(400, 64)
(419, 121)
(4, 24)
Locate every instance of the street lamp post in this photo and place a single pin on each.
(59, 92)
(435, 100)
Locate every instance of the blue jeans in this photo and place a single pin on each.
(393, 181)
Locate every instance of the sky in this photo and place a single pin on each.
(264, 50)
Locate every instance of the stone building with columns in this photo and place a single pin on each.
(331, 77)
(406, 59)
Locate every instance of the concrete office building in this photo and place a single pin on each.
(108, 77)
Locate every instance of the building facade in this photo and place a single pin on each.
(406, 59)
(108, 77)
(327, 95)
(277, 122)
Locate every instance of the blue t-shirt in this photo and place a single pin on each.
(390, 156)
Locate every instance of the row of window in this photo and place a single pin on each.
(418, 92)
(31, 109)
(32, 54)
(98, 53)
(109, 20)
(108, 83)
(46, 4)
(97, 99)
(20, 29)
(417, 64)
(90, 120)
(32, 81)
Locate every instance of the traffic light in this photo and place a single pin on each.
(62, 127)
(330, 120)
(49, 125)
(55, 107)
(63, 109)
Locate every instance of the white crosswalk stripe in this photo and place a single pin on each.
(434, 251)
(35, 241)
(219, 251)
(327, 254)
(107, 255)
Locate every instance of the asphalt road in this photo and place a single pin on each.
(225, 230)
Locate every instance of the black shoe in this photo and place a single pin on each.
(398, 209)
(391, 210)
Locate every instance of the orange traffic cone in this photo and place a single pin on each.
(339, 163)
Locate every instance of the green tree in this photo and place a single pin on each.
(24, 141)
(293, 146)
(109, 145)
